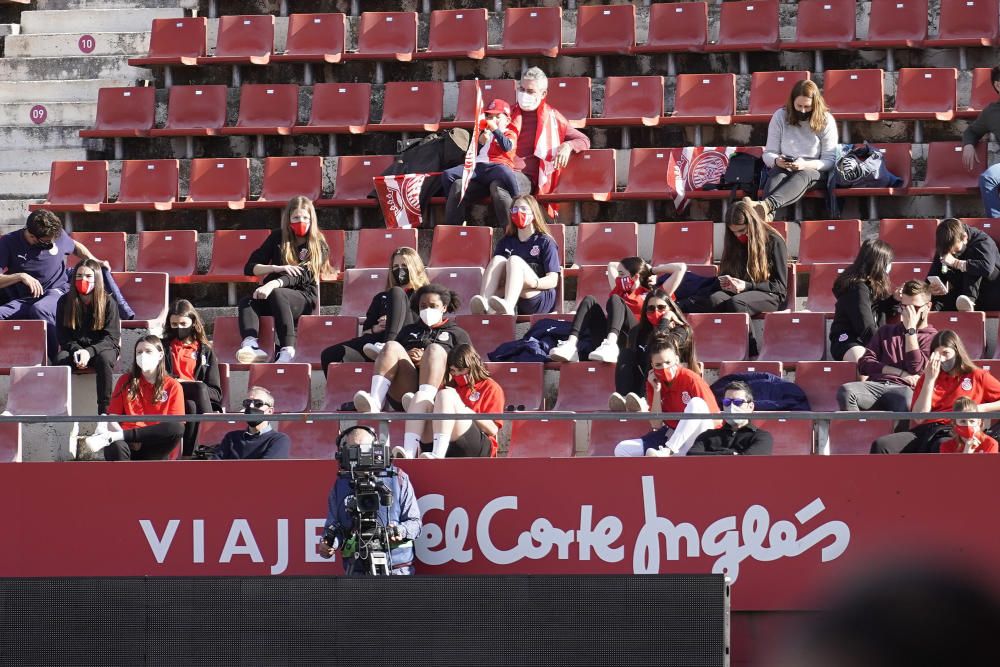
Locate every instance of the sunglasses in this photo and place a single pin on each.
(738, 402)
(652, 308)
(255, 403)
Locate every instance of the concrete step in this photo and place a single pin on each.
(10, 29)
(41, 159)
(50, 113)
(42, 92)
(24, 184)
(43, 136)
(12, 213)
(66, 69)
(81, 21)
(112, 4)
(58, 45)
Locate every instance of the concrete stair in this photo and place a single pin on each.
(42, 92)
(31, 184)
(87, 21)
(51, 45)
(40, 159)
(56, 113)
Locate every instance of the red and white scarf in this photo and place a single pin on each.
(552, 127)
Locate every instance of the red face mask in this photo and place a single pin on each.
(626, 284)
(655, 317)
(666, 374)
(519, 218)
(462, 380)
(300, 229)
(84, 286)
(743, 238)
(966, 432)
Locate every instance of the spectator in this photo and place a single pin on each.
(894, 358)
(674, 389)
(35, 276)
(965, 273)
(630, 281)
(146, 390)
(545, 143)
(416, 362)
(494, 164)
(191, 360)
(90, 331)
(258, 440)
(291, 262)
(389, 311)
(864, 299)
(950, 374)
(471, 390)
(988, 122)
(969, 436)
(525, 262)
(737, 436)
(801, 147)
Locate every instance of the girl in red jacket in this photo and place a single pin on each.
(969, 436)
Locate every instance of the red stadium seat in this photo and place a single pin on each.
(983, 93)
(856, 436)
(39, 390)
(585, 387)
(242, 40)
(823, 24)
(988, 365)
(946, 174)
(925, 94)
(412, 106)
(288, 177)
(354, 180)
(733, 367)
(360, 285)
(315, 333)
(558, 232)
(146, 293)
(504, 89)
(821, 379)
(829, 241)
(194, 111)
(546, 438)
(176, 41)
(218, 183)
(603, 29)
(146, 185)
(376, 245)
(592, 281)
(571, 96)
(970, 327)
(488, 332)
(124, 112)
(989, 225)
(106, 246)
(631, 100)
(530, 31)
(704, 98)
(173, 252)
(266, 109)
(896, 23)
(607, 433)
(523, 383)
(289, 383)
(589, 176)
(967, 23)
(793, 337)
(226, 339)
(690, 242)
(23, 344)
(343, 381)
(314, 38)
(747, 25)
(76, 186)
(338, 108)
(769, 92)
(386, 36)
(650, 174)
(230, 250)
(721, 336)
(461, 246)
(903, 271)
(10, 442)
(603, 242)
(463, 280)
(821, 279)
(675, 27)
(336, 240)
(312, 439)
(790, 437)
(897, 160)
(456, 33)
(854, 94)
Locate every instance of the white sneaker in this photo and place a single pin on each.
(398, 453)
(251, 355)
(965, 304)
(661, 451)
(616, 402)
(407, 400)
(372, 350)
(635, 403)
(365, 402)
(500, 306)
(564, 352)
(606, 352)
(93, 444)
(285, 355)
(427, 455)
(478, 305)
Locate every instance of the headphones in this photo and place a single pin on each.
(367, 429)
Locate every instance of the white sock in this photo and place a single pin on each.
(115, 436)
(250, 341)
(612, 339)
(380, 388)
(411, 444)
(441, 442)
(290, 349)
(426, 392)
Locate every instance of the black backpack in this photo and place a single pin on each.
(745, 173)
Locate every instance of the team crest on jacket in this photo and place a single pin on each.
(443, 337)
(685, 397)
(535, 251)
(161, 397)
(303, 253)
(967, 384)
(474, 396)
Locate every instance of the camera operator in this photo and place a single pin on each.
(400, 515)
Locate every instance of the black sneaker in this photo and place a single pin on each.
(348, 407)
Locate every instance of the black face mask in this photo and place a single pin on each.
(402, 275)
(804, 116)
(254, 411)
(183, 333)
(44, 245)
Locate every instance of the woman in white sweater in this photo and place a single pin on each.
(801, 147)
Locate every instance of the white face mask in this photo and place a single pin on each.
(528, 101)
(147, 361)
(732, 409)
(431, 316)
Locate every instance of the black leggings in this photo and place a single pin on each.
(619, 319)
(630, 376)
(787, 187)
(398, 316)
(157, 441)
(103, 364)
(198, 400)
(713, 299)
(284, 304)
(924, 439)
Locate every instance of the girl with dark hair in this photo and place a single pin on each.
(89, 330)
(389, 312)
(145, 390)
(191, 360)
(291, 262)
(950, 375)
(864, 299)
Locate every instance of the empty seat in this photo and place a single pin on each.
(793, 337)
(376, 245)
(545, 438)
(338, 108)
(769, 92)
(412, 106)
(854, 94)
(704, 98)
(461, 246)
(146, 185)
(354, 180)
(463, 280)
(312, 438)
(288, 177)
(989, 225)
(488, 332)
(343, 381)
(925, 93)
(721, 336)
(173, 252)
(266, 109)
(650, 174)
(592, 280)
(146, 293)
(124, 112)
(896, 23)
(690, 242)
(386, 36)
(360, 285)
(226, 339)
(590, 175)
(970, 327)
(106, 246)
(530, 31)
(790, 437)
(504, 89)
(314, 38)
(605, 434)
(855, 436)
(522, 383)
(23, 344)
(603, 29)
(903, 271)
(676, 26)
(821, 279)
(336, 241)
(733, 367)
(288, 383)
(10, 442)
(242, 40)
(39, 390)
(76, 186)
(571, 96)
(194, 111)
(946, 173)
(967, 23)
(218, 183)
(821, 379)
(631, 100)
(585, 387)
(176, 41)
(603, 242)
(456, 33)
(829, 241)
(983, 93)
(231, 249)
(747, 25)
(823, 24)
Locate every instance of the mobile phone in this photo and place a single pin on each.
(788, 158)
(935, 281)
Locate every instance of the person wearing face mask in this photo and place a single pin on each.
(191, 360)
(969, 435)
(146, 390)
(522, 276)
(950, 375)
(894, 358)
(389, 312)
(674, 389)
(258, 440)
(737, 436)
(864, 299)
(987, 123)
(90, 331)
(290, 262)
(965, 272)
(801, 148)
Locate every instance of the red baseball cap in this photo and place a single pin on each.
(497, 106)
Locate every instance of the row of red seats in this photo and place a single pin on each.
(747, 25)
(417, 106)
